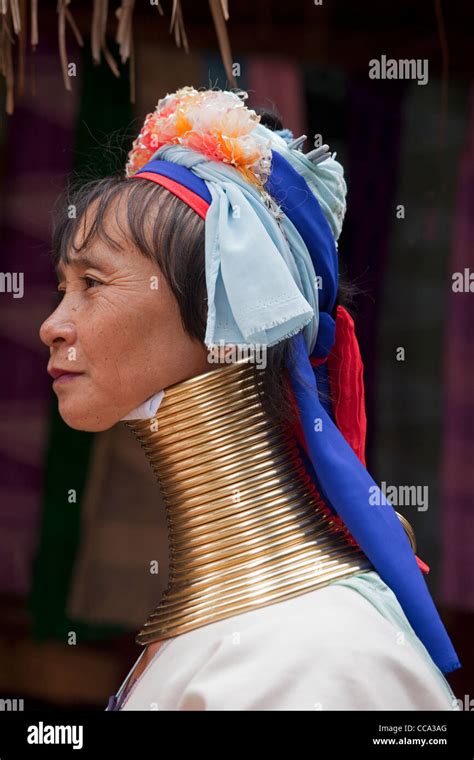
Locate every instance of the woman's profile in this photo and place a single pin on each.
(200, 305)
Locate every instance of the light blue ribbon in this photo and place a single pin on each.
(325, 180)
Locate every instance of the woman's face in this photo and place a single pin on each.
(118, 327)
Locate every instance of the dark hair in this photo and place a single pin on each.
(176, 243)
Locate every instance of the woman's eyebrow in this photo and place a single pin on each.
(84, 260)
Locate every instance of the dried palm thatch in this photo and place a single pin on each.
(14, 21)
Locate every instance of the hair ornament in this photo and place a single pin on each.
(215, 123)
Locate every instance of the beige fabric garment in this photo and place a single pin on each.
(329, 649)
(123, 531)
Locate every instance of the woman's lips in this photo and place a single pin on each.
(66, 378)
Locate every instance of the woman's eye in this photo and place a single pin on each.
(90, 282)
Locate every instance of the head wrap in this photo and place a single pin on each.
(272, 219)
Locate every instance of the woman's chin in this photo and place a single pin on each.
(85, 422)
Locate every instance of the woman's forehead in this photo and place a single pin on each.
(97, 229)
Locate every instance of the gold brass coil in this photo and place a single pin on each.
(246, 525)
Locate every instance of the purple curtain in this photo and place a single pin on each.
(457, 484)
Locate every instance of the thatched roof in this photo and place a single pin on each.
(19, 26)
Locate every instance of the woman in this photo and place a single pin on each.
(200, 306)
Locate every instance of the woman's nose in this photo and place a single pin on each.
(56, 328)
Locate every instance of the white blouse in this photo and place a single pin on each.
(346, 646)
